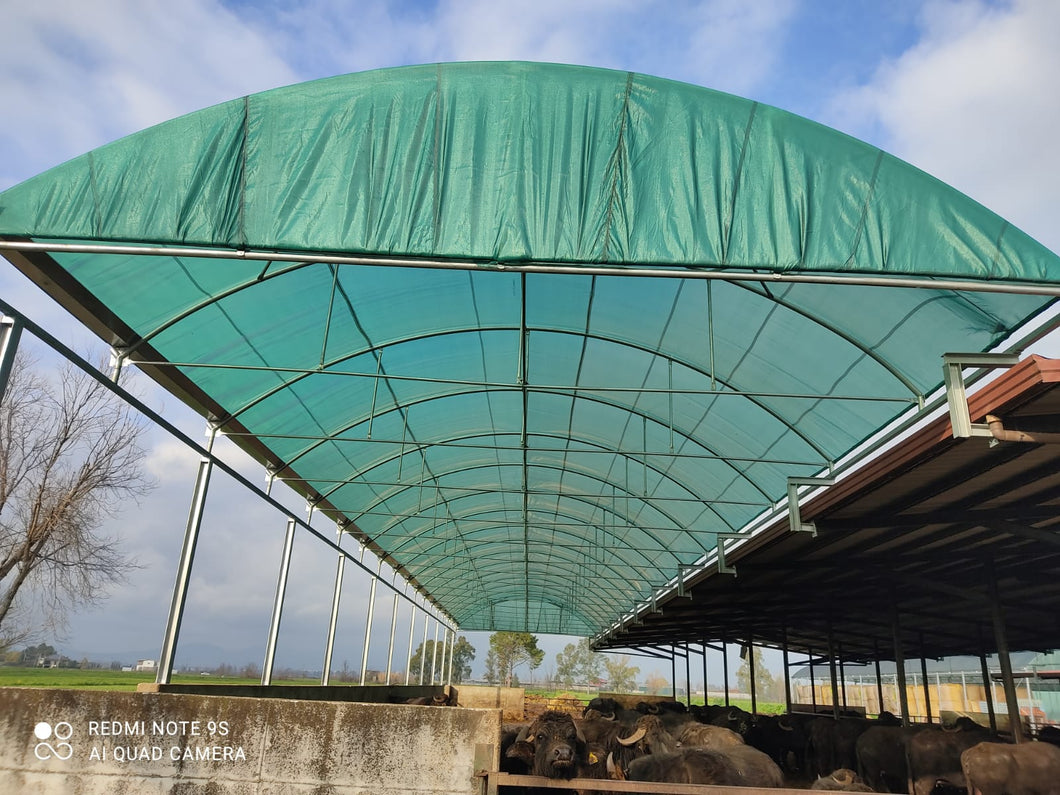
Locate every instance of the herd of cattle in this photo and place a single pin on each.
(665, 742)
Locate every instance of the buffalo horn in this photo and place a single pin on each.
(637, 736)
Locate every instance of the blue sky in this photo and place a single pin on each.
(963, 89)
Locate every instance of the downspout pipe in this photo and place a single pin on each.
(999, 432)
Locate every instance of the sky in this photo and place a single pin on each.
(964, 89)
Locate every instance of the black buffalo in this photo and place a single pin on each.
(997, 768)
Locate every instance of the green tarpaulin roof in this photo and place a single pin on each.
(539, 332)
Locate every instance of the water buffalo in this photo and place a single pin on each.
(701, 735)
(842, 780)
(934, 755)
(687, 766)
(551, 747)
(998, 769)
(881, 754)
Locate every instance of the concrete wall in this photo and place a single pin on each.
(89, 743)
(509, 700)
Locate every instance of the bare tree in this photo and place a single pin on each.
(70, 453)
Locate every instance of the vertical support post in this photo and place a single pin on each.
(832, 672)
(187, 558)
(390, 649)
(277, 605)
(1001, 638)
(368, 623)
(449, 661)
(924, 673)
(673, 672)
(412, 638)
(434, 651)
(725, 668)
(751, 671)
(1030, 706)
(879, 678)
(706, 687)
(813, 684)
(329, 648)
(787, 675)
(423, 643)
(10, 334)
(688, 676)
(899, 663)
(842, 676)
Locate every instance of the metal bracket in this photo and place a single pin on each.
(681, 569)
(794, 515)
(952, 366)
(723, 567)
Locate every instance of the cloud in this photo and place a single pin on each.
(75, 75)
(975, 104)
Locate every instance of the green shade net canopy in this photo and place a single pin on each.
(534, 334)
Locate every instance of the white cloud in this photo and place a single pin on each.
(975, 104)
(75, 75)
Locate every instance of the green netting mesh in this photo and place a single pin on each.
(539, 450)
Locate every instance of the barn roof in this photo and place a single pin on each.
(539, 336)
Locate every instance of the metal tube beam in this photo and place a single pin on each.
(1001, 638)
(725, 668)
(423, 643)
(412, 639)
(706, 686)
(187, 558)
(787, 675)
(277, 605)
(688, 677)
(899, 664)
(329, 648)
(924, 674)
(434, 649)
(368, 623)
(879, 677)
(813, 684)
(832, 672)
(751, 670)
(673, 272)
(988, 693)
(10, 334)
(390, 648)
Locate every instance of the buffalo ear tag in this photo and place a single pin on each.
(593, 758)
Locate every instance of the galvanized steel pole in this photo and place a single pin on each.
(725, 669)
(187, 557)
(412, 638)
(368, 623)
(988, 691)
(434, 649)
(924, 673)
(277, 606)
(325, 676)
(1001, 638)
(899, 663)
(10, 334)
(423, 644)
(390, 650)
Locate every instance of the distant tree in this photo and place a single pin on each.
(656, 683)
(70, 453)
(32, 654)
(766, 687)
(578, 663)
(621, 676)
(463, 654)
(508, 650)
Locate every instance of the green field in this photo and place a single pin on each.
(76, 679)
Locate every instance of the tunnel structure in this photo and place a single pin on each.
(587, 352)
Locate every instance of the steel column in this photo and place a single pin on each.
(368, 623)
(787, 675)
(187, 558)
(434, 649)
(688, 677)
(899, 664)
(813, 684)
(10, 334)
(412, 638)
(924, 673)
(751, 670)
(673, 672)
(988, 693)
(390, 649)
(423, 643)
(277, 605)
(329, 648)
(832, 672)
(706, 687)
(1001, 638)
(725, 668)
(879, 678)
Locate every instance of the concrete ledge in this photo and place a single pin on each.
(367, 694)
(509, 700)
(91, 743)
